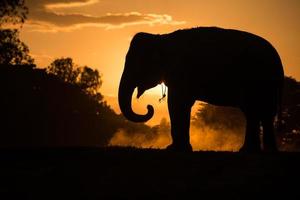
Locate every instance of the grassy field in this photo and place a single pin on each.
(128, 173)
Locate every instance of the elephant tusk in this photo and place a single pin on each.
(163, 92)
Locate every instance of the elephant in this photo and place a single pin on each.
(224, 67)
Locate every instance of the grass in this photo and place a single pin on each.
(131, 173)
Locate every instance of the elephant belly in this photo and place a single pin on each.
(221, 96)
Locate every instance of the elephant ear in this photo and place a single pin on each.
(156, 51)
(156, 57)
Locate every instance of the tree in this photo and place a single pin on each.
(13, 11)
(290, 130)
(38, 109)
(12, 50)
(64, 69)
(88, 79)
(219, 117)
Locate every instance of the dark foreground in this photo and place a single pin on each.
(118, 173)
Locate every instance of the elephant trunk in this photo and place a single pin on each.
(126, 89)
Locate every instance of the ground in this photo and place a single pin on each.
(128, 173)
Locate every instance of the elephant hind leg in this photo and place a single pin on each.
(269, 139)
(252, 136)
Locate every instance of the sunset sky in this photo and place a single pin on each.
(97, 33)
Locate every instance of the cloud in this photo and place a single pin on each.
(49, 16)
(53, 4)
(70, 4)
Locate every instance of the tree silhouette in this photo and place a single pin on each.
(12, 50)
(291, 105)
(39, 109)
(218, 117)
(88, 79)
(13, 11)
(290, 133)
(64, 69)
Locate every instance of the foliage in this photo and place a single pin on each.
(86, 78)
(290, 131)
(64, 69)
(12, 50)
(291, 105)
(13, 11)
(218, 117)
(41, 110)
(89, 80)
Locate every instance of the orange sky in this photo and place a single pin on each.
(97, 32)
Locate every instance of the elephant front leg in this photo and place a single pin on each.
(179, 111)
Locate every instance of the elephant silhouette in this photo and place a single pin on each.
(223, 67)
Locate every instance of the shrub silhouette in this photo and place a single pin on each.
(38, 109)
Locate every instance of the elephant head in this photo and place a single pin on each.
(142, 70)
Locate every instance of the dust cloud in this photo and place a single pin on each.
(202, 138)
(208, 139)
(122, 138)
(212, 128)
